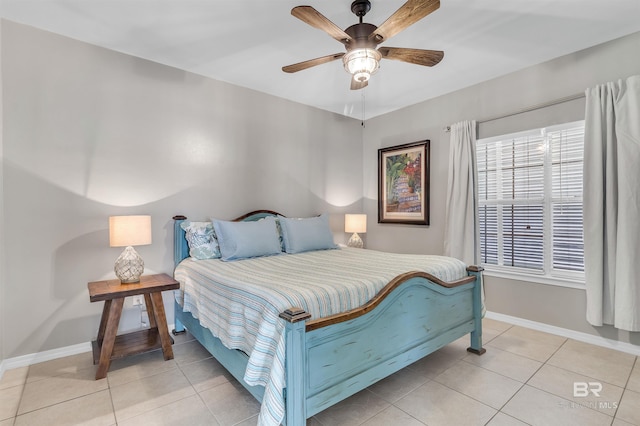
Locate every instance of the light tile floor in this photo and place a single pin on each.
(526, 377)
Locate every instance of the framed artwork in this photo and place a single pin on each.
(403, 184)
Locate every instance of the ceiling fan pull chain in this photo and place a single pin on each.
(363, 111)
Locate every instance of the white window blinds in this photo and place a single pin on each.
(530, 200)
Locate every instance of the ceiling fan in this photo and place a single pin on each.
(362, 58)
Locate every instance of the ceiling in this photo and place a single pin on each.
(246, 42)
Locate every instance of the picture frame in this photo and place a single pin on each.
(403, 184)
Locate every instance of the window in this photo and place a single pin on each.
(530, 202)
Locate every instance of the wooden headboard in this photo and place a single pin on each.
(180, 246)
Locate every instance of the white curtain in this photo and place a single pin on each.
(612, 204)
(460, 226)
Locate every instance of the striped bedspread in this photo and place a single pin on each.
(239, 302)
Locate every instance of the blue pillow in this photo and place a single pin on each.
(300, 235)
(241, 240)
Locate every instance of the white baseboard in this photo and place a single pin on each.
(565, 332)
(26, 360)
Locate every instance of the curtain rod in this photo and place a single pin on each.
(528, 109)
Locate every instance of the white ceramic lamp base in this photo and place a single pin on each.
(129, 266)
(355, 241)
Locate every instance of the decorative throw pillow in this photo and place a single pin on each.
(201, 240)
(300, 235)
(241, 240)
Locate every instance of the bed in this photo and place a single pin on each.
(303, 353)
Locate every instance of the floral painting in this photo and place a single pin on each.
(403, 188)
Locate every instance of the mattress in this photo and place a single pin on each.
(240, 301)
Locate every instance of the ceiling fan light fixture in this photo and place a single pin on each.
(362, 76)
(362, 63)
(361, 40)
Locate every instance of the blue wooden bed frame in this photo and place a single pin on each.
(330, 359)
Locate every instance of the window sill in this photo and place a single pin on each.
(538, 279)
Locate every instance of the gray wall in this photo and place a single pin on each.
(91, 133)
(2, 239)
(562, 77)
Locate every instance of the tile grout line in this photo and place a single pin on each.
(24, 388)
(572, 372)
(564, 344)
(624, 389)
(461, 393)
(113, 407)
(461, 359)
(390, 404)
(198, 393)
(398, 408)
(522, 384)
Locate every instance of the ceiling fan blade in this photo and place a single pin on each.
(408, 14)
(312, 63)
(317, 20)
(357, 85)
(427, 58)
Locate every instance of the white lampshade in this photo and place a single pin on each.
(128, 231)
(355, 223)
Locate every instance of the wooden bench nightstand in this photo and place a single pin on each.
(108, 345)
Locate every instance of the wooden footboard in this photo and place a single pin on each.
(336, 357)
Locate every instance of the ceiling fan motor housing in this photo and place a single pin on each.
(360, 8)
(359, 34)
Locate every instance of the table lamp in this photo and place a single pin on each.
(355, 223)
(129, 231)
